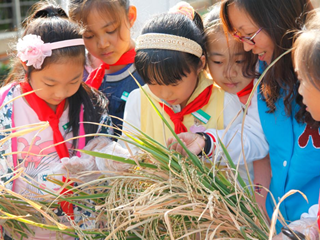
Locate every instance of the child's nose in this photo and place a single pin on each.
(103, 42)
(61, 93)
(166, 94)
(230, 71)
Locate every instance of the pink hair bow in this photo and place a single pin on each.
(32, 50)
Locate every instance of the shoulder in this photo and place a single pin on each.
(6, 91)
(136, 75)
(134, 96)
(133, 104)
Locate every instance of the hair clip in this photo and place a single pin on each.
(183, 8)
(32, 50)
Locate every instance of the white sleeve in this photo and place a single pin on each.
(132, 111)
(132, 116)
(254, 142)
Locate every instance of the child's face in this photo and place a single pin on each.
(57, 81)
(245, 26)
(178, 94)
(107, 39)
(310, 94)
(225, 63)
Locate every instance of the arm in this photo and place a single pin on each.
(262, 178)
(254, 143)
(83, 163)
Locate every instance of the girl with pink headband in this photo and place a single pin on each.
(50, 62)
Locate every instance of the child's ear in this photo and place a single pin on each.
(132, 15)
(202, 63)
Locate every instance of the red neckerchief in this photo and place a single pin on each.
(195, 105)
(95, 78)
(243, 94)
(46, 114)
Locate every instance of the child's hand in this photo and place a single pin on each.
(194, 142)
(76, 165)
(113, 148)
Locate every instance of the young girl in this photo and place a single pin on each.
(107, 37)
(306, 55)
(227, 61)
(170, 58)
(50, 60)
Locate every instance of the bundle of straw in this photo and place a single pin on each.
(170, 196)
(176, 197)
(165, 196)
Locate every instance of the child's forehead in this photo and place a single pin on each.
(99, 19)
(219, 42)
(104, 13)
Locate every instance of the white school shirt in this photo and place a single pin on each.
(232, 107)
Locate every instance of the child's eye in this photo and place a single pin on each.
(88, 36)
(217, 62)
(112, 31)
(48, 85)
(74, 82)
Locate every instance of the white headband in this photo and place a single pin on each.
(168, 42)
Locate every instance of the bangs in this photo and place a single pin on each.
(111, 9)
(162, 67)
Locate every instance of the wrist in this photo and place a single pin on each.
(207, 143)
